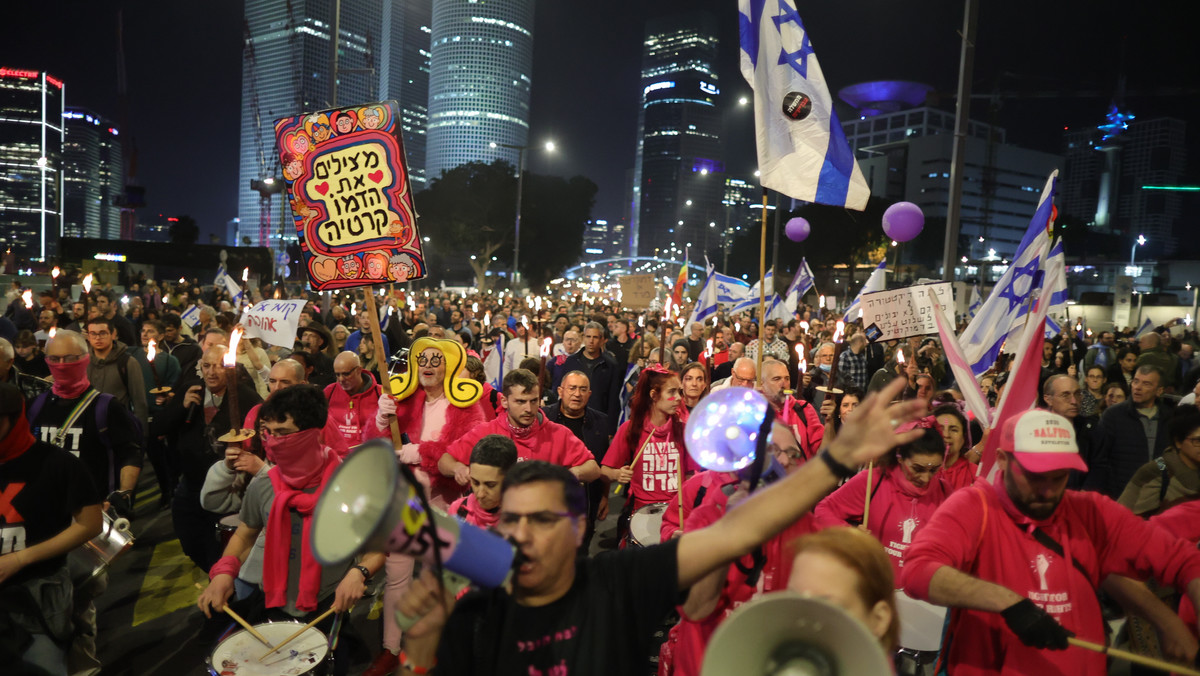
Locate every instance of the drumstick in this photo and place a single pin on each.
(299, 631)
(867, 507)
(617, 490)
(680, 465)
(1162, 665)
(246, 625)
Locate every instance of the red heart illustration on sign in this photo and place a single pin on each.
(376, 175)
(323, 188)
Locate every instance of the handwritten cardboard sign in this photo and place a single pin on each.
(637, 291)
(900, 313)
(350, 196)
(274, 321)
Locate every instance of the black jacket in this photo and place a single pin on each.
(196, 447)
(595, 428)
(1122, 447)
(606, 380)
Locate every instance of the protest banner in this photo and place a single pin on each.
(274, 321)
(637, 291)
(900, 313)
(350, 197)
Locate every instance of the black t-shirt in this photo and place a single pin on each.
(83, 439)
(602, 626)
(573, 424)
(620, 351)
(39, 491)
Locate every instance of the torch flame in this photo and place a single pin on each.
(55, 272)
(709, 347)
(245, 274)
(53, 331)
(804, 326)
(182, 280)
(899, 357)
(231, 355)
(87, 283)
(474, 307)
(821, 301)
(547, 343)
(841, 331)
(28, 298)
(151, 351)
(525, 321)
(487, 319)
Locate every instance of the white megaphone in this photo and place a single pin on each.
(369, 505)
(786, 634)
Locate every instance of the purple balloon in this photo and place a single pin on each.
(903, 221)
(797, 229)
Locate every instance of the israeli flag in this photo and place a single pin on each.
(750, 302)
(191, 316)
(876, 282)
(802, 151)
(706, 303)
(730, 290)
(976, 302)
(229, 284)
(1057, 261)
(779, 310)
(1146, 327)
(1002, 316)
(802, 283)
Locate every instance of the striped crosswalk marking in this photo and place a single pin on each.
(169, 585)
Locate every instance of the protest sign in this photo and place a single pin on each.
(900, 313)
(637, 291)
(351, 200)
(274, 321)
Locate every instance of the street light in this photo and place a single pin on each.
(549, 146)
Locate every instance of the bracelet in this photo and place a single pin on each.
(419, 671)
(365, 573)
(839, 470)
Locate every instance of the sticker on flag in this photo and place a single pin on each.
(274, 321)
(900, 313)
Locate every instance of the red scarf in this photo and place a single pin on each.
(70, 379)
(18, 441)
(289, 479)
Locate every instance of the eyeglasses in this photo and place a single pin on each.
(64, 359)
(346, 374)
(97, 334)
(1195, 441)
(543, 520)
(432, 362)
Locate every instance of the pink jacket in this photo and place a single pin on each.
(980, 532)
(898, 509)
(804, 421)
(354, 414)
(547, 441)
(459, 421)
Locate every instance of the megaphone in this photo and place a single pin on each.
(369, 504)
(786, 634)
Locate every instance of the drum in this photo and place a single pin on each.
(226, 527)
(114, 540)
(238, 654)
(921, 627)
(645, 525)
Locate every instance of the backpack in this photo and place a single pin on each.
(102, 401)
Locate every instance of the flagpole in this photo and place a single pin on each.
(966, 66)
(762, 288)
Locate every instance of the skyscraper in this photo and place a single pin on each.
(480, 75)
(31, 154)
(678, 172)
(383, 49)
(92, 176)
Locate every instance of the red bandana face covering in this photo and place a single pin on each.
(300, 457)
(70, 379)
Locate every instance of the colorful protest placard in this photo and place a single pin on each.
(348, 187)
(274, 321)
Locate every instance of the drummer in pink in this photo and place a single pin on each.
(491, 459)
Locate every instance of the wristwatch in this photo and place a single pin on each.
(839, 470)
(365, 573)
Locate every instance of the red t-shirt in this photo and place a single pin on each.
(656, 475)
(980, 532)
(959, 475)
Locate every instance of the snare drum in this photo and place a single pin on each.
(114, 540)
(645, 526)
(239, 653)
(921, 627)
(226, 527)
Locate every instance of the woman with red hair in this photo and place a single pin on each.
(648, 447)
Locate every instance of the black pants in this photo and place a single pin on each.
(195, 526)
(595, 492)
(166, 474)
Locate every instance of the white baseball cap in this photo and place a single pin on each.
(1042, 441)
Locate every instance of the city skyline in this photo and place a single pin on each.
(184, 70)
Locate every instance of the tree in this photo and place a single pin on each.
(184, 231)
(469, 211)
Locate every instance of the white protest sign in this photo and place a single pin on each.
(900, 313)
(274, 321)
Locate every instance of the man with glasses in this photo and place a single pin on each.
(1020, 559)
(743, 374)
(102, 433)
(113, 370)
(353, 400)
(597, 616)
(589, 426)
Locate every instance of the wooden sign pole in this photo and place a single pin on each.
(381, 357)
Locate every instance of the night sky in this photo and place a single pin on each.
(183, 61)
